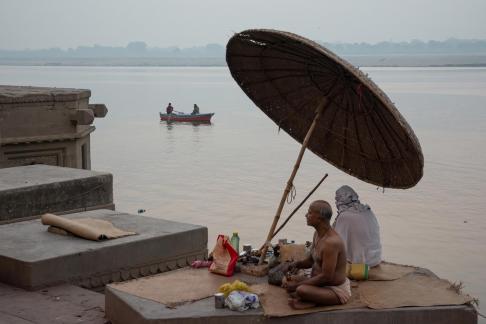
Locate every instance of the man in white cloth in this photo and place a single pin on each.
(358, 228)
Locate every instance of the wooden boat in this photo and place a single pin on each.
(199, 118)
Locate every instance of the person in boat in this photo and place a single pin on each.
(195, 110)
(358, 227)
(327, 283)
(169, 109)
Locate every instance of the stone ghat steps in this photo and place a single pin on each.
(29, 191)
(32, 258)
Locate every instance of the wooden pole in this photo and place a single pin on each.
(319, 110)
(295, 210)
(298, 206)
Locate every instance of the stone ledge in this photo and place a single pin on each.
(36, 189)
(72, 211)
(47, 138)
(123, 308)
(32, 258)
(10, 94)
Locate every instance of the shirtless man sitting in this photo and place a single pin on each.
(328, 284)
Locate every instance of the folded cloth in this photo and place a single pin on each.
(343, 291)
(201, 264)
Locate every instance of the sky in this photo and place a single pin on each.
(38, 24)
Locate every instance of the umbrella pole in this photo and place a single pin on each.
(319, 110)
(298, 207)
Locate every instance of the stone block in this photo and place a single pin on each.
(99, 110)
(124, 308)
(32, 190)
(46, 125)
(39, 111)
(31, 257)
(82, 116)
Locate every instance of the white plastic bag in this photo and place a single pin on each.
(241, 301)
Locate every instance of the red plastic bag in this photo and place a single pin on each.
(224, 257)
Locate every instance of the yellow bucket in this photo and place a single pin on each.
(358, 271)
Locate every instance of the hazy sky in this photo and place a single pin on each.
(184, 23)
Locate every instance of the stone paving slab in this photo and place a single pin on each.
(124, 308)
(33, 190)
(60, 304)
(32, 258)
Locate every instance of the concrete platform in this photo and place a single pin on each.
(32, 258)
(60, 304)
(32, 190)
(124, 308)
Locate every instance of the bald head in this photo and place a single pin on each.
(323, 208)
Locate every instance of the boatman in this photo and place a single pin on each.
(195, 111)
(169, 109)
(327, 284)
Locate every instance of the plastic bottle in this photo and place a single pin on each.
(235, 242)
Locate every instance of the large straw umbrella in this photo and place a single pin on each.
(326, 104)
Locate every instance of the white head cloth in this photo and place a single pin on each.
(347, 198)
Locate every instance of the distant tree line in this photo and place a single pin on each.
(133, 49)
(140, 49)
(450, 46)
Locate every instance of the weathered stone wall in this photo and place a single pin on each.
(63, 153)
(46, 126)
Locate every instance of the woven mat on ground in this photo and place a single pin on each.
(274, 301)
(420, 288)
(176, 287)
(389, 271)
(87, 228)
(172, 288)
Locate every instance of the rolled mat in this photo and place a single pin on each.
(87, 228)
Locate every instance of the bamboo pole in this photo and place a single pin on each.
(298, 206)
(296, 209)
(319, 110)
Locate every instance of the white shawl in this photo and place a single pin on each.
(358, 227)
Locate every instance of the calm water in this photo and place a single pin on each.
(230, 175)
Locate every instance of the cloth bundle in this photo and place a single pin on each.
(241, 301)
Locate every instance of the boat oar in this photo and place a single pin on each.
(297, 208)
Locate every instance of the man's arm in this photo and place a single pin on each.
(303, 264)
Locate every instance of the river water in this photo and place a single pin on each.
(230, 175)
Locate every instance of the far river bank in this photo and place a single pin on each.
(386, 60)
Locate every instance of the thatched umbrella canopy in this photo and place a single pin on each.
(326, 104)
(359, 130)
